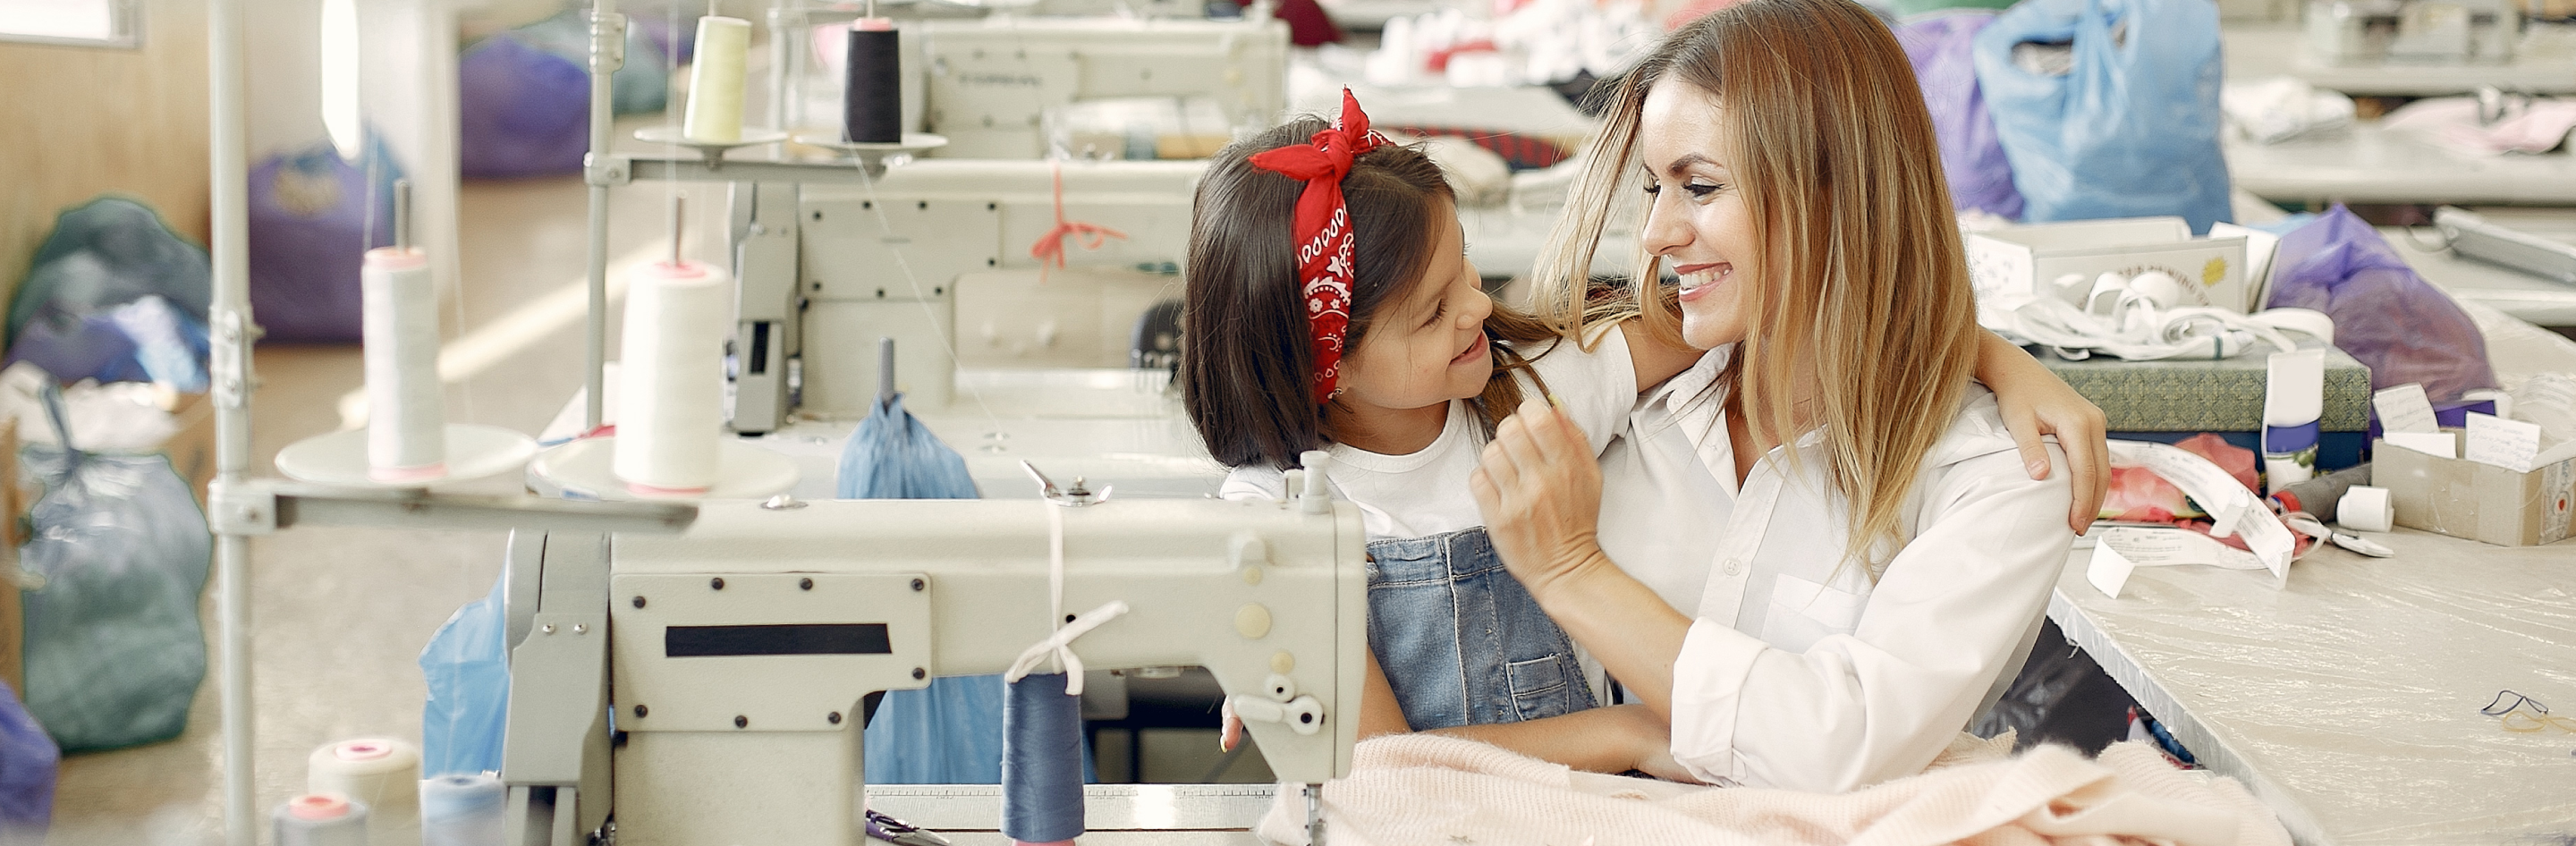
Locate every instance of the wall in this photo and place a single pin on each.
(76, 122)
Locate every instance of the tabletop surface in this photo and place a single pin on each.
(2349, 699)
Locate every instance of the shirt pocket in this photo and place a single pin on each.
(1803, 612)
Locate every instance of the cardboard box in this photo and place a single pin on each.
(2481, 502)
(2031, 258)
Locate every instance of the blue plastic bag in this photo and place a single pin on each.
(118, 551)
(1941, 48)
(28, 763)
(467, 666)
(2385, 315)
(2131, 129)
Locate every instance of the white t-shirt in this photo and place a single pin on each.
(1425, 492)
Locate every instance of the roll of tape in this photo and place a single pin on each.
(2367, 509)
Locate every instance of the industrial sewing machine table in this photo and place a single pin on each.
(1114, 814)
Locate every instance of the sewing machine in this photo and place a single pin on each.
(706, 687)
(993, 81)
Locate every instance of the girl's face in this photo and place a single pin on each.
(1427, 346)
(1700, 223)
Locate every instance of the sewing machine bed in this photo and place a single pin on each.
(1139, 814)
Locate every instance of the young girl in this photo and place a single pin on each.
(1330, 306)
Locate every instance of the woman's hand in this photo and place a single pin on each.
(1539, 488)
(2035, 403)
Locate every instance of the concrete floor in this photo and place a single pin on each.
(339, 615)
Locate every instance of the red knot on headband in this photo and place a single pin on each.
(1323, 230)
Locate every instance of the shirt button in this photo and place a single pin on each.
(1734, 566)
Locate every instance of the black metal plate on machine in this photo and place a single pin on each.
(801, 639)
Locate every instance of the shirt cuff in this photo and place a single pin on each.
(1708, 682)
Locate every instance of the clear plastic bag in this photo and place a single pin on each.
(117, 552)
(467, 666)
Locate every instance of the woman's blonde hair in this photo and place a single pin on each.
(1862, 277)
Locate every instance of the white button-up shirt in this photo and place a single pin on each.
(1800, 672)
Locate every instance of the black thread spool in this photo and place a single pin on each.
(872, 96)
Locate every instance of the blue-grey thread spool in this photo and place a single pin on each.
(1041, 761)
(872, 95)
(319, 819)
(461, 810)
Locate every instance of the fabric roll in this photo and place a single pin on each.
(670, 396)
(406, 414)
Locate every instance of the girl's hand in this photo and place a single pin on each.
(1650, 739)
(1539, 488)
(2048, 407)
(2034, 403)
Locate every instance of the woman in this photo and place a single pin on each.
(1855, 550)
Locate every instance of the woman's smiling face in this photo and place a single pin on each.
(1701, 224)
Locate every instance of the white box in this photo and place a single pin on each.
(2031, 258)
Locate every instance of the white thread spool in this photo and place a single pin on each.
(461, 810)
(381, 773)
(2365, 508)
(670, 390)
(319, 819)
(406, 416)
(716, 81)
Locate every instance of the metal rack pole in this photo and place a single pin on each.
(231, 365)
(607, 54)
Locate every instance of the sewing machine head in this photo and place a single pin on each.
(741, 649)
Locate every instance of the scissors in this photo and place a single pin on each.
(901, 833)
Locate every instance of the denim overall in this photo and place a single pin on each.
(1460, 640)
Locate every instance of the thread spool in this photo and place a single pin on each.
(406, 416)
(670, 378)
(1041, 762)
(379, 773)
(318, 819)
(2367, 509)
(461, 810)
(872, 93)
(716, 81)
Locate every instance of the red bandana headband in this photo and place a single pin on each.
(1323, 230)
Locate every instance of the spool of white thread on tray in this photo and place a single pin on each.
(670, 390)
(461, 810)
(406, 416)
(379, 772)
(716, 81)
(319, 819)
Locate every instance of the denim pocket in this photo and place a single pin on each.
(1461, 642)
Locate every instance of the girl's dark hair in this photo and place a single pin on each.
(1247, 363)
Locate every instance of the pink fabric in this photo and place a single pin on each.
(1415, 789)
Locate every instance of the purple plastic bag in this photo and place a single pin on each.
(28, 762)
(311, 224)
(1941, 47)
(2385, 315)
(523, 111)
